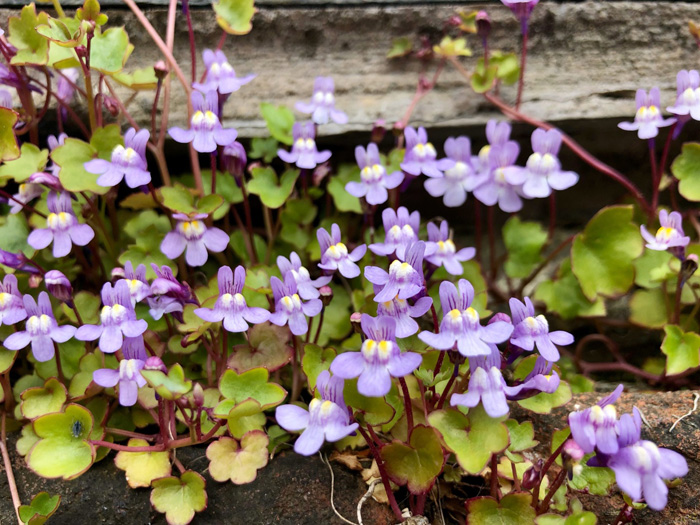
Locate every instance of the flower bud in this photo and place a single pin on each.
(688, 267)
(378, 131)
(59, 286)
(155, 363)
(483, 24)
(326, 294)
(47, 179)
(198, 395)
(160, 69)
(532, 475)
(500, 316)
(355, 319)
(456, 358)
(235, 160)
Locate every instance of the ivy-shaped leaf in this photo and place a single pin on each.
(373, 410)
(32, 48)
(110, 50)
(170, 387)
(252, 384)
(244, 417)
(686, 168)
(31, 160)
(513, 509)
(9, 150)
(565, 297)
(13, 234)
(63, 449)
(139, 80)
(336, 187)
(452, 47)
(234, 16)
(648, 308)
(43, 400)
(524, 241)
(473, 438)
(602, 256)
(483, 80)
(597, 480)
(315, 361)
(40, 509)
(240, 464)
(142, 468)
(66, 32)
(179, 498)
(400, 47)
(267, 348)
(682, 350)
(273, 191)
(417, 464)
(279, 120)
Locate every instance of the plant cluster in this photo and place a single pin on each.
(242, 304)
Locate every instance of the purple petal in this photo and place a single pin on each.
(497, 332)
(215, 240)
(310, 441)
(348, 365)
(88, 332)
(128, 393)
(42, 348)
(255, 315)
(106, 377)
(181, 135)
(292, 417)
(375, 381)
(111, 339)
(81, 234)
(298, 324)
(441, 341)
(196, 254)
(134, 328)
(404, 364)
(61, 334)
(17, 340)
(40, 239)
(173, 245)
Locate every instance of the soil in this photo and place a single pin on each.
(295, 490)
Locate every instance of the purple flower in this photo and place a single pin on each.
(669, 235)
(379, 360)
(59, 286)
(522, 9)
(420, 154)
(335, 256)
(221, 76)
(6, 99)
(404, 279)
(460, 324)
(11, 303)
(289, 309)
(327, 418)
(128, 376)
(304, 153)
(41, 329)
(648, 119)
(27, 192)
(374, 180)
(63, 228)
(205, 132)
(531, 331)
(307, 288)
(139, 288)
(50, 180)
(542, 172)
(235, 159)
(596, 427)
(495, 188)
(168, 295)
(18, 261)
(54, 142)
(192, 234)
(401, 232)
(403, 313)
(128, 161)
(231, 306)
(688, 98)
(65, 86)
(444, 250)
(640, 466)
(486, 384)
(117, 320)
(459, 174)
(322, 105)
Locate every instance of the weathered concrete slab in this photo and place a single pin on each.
(586, 59)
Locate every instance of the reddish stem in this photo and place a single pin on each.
(382, 473)
(408, 407)
(521, 78)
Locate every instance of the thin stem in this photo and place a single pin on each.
(523, 63)
(552, 214)
(58, 8)
(382, 473)
(16, 502)
(544, 506)
(296, 376)
(27, 207)
(154, 109)
(249, 222)
(677, 301)
(213, 172)
(516, 479)
(422, 89)
(477, 230)
(320, 324)
(128, 433)
(543, 264)
(445, 392)
(494, 476)
(267, 217)
(85, 64)
(655, 175)
(59, 368)
(408, 406)
(190, 33)
(175, 443)
(622, 516)
(550, 461)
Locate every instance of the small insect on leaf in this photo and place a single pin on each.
(77, 428)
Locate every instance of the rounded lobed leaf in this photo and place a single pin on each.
(239, 464)
(682, 350)
(179, 498)
(251, 385)
(513, 509)
(43, 400)
(142, 468)
(417, 464)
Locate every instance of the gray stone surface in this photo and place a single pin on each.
(586, 59)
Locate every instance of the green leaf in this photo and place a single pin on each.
(91, 12)
(602, 256)
(170, 387)
(297, 216)
(315, 361)
(513, 509)
(139, 224)
(7, 359)
(279, 120)
(597, 480)
(13, 234)
(482, 80)
(336, 320)
(273, 192)
(507, 64)
(88, 306)
(375, 410)
(417, 464)
(452, 47)
(654, 267)
(43, 400)
(263, 148)
(228, 461)
(67, 32)
(32, 48)
(400, 47)
(542, 403)
(179, 498)
(473, 438)
(524, 242)
(139, 80)
(565, 297)
(468, 21)
(40, 509)
(178, 198)
(142, 468)
(244, 417)
(234, 16)
(31, 160)
(686, 168)
(267, 347)
(27, 440)
(110, 50)
(521, 435)
(682, 350)
(648, 308)
(336, 187)
(252, 384)
(62, 450)
(9, 150)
